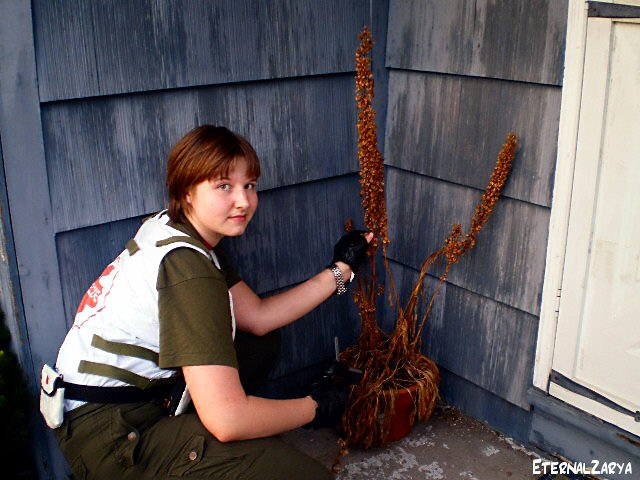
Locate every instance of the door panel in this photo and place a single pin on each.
(598, 337)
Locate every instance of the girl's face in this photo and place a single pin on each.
(223, 207)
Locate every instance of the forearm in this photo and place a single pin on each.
(287, 307)
(260, 316)
(230, 415)
(260, 417)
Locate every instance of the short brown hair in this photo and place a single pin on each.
(204, 153)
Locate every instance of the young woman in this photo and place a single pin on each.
(170, 305)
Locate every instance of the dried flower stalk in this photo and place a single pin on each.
(370, 157)
(371, 191)
(394, 361)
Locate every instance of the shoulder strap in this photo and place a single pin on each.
(181, 239)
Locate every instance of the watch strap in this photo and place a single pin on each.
(337, 275)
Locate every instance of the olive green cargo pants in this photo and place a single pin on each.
(138, 441)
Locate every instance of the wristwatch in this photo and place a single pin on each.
(337, 274)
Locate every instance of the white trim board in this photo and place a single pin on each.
(561, 201)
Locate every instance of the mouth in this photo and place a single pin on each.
(238, 218)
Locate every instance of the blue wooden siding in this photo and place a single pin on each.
(507, 263)
(462, 75)
(27, 185)
(505, 417)
(112, 151)
(10, 295)
(113, 47)
(29, 207)
(481, 340)
(458, 124)
(487, 345)
(521, 40)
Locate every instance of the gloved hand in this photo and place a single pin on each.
(331, 400)
(331, 391)
(351, 249)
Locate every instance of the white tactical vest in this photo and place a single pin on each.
(114, 340)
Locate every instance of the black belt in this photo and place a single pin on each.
(125, 394)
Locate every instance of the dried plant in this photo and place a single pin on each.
(394, 361)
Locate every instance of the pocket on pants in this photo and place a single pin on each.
(189, 456)
(125, 439)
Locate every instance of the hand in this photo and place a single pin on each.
(331, 400)
(352, 248)
(330, 390)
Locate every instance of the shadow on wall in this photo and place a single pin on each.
(16, 405)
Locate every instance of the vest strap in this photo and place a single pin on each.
(110, 371)
(126, 349)
(181, 238)
(132, 246)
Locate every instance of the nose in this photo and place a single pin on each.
(240, 198)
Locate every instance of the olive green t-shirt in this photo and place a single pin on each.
(194, 310)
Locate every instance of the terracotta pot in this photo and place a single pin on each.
(401, 420)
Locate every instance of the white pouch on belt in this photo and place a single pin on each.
(51, 397)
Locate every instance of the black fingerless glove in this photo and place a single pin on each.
(330, 390)
(331, 400)
(351, 249)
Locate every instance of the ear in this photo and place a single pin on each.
(187, 197)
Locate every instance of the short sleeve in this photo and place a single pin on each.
(195, 316)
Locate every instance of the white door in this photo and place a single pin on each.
(596, 356)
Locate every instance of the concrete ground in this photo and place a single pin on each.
(450, 446)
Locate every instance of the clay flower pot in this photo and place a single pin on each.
(402, 419)
(382, 408)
